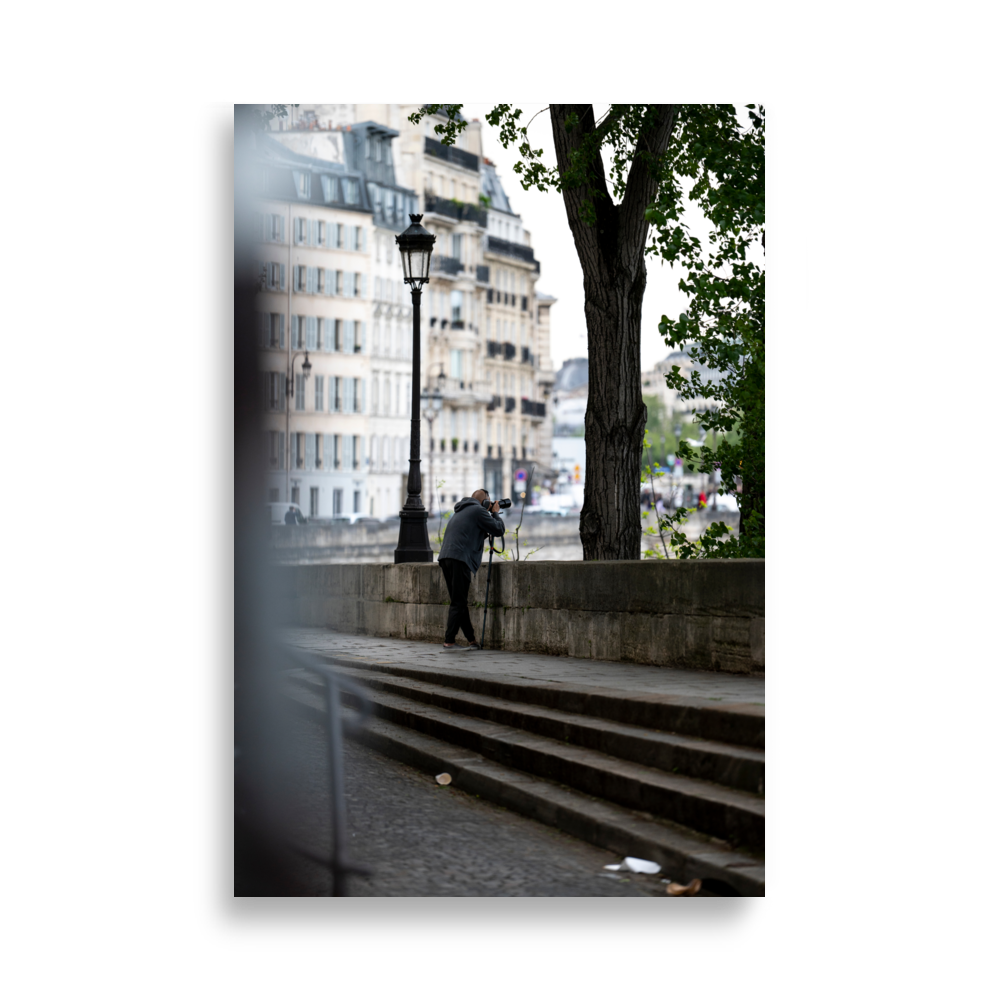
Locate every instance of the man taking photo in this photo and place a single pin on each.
(474, 520)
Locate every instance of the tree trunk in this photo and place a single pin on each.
(611, 253)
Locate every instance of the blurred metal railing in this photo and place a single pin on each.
(337, 726)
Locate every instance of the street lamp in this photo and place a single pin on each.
(415, 246)
(289, 391)
(432, 402)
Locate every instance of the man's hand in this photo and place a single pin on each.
(495, 508)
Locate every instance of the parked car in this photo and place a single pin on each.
(351, 518)
(279, 510)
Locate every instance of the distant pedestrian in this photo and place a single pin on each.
(290, 516)
(474, 520)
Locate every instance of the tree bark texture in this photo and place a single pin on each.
(612, 257)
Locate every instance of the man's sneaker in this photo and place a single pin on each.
(454, 649)
(474, 645)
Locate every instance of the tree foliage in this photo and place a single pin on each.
(717, 164)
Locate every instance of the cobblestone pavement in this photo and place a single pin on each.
(632, 677)
(425, 839)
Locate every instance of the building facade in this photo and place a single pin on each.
(484, 328)
(331, 443)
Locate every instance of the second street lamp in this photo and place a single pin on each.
(415, 246)
(289, 393)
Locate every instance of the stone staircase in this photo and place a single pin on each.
(674, 780)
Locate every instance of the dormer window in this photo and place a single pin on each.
(302, 183)
(329, 187)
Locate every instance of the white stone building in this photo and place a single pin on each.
(484, 329)
(321, 247)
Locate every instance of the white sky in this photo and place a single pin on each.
(544, 217)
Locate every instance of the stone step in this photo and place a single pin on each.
(736, 723)
(684, 854)
(732, 766)
(734, 816)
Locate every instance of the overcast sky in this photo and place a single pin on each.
(545, 218)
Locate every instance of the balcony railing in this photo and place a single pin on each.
(509, 351)
(483, 274)
(531, 409)
(451, 153)
(460, 211)
(517, 250)
(446, 265)
(493, 348)
(510, 403)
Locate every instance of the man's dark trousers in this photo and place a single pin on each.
(458, 579)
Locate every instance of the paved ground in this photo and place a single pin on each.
(425, 839)
(631, 677)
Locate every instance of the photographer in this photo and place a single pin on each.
(461, 554)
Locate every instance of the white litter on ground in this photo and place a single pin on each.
(637, 865)
(443, 779)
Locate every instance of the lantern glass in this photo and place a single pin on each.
(306, 367)
(415, 247)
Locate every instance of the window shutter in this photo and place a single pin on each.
(349, 336)
(331, 235)
(364, 240)
(348, 450)
(281, 227)
(281, 450)
(364, 286)
(335, 394)
(311, 333)
(282, 386)
(295, 332)
(348, 395)
(328, 452)
(281, 330)
(297, 226)
(282, 277)
(310, 452)
(364, 384)
(314, 233)
(363, 326)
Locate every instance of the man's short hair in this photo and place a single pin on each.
(485, 496)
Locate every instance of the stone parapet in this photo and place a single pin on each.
(698, 614)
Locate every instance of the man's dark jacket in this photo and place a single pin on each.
(467, 530)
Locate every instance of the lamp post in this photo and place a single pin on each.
(432, 407)
(289, 391)
(415, 245)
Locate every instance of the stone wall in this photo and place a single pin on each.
(552, 538)
(705, 614)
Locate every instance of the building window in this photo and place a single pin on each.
(319, 451)
(300, 278)
(329, 188)
(276, 330)
(456, 364)
(277, 228)
(302, 183)
(456, 306)
(313, 501)
(275, 391)
(319, 393)
(295, 495)
(300, 450)
(320, 233)
(273, 456)
(356, 454)
(357, 501)
(350, 192)
(338, 502)
(456, 246)
(336, 397)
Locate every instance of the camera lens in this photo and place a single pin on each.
(505, 503)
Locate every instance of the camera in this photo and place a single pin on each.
(504, 503)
